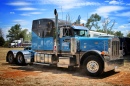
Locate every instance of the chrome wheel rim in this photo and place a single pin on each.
(92, 66)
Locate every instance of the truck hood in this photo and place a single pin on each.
(86, 43)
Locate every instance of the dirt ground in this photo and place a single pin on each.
(35, 75)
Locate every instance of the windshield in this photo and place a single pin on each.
(80, 32)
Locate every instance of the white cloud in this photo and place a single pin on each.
(114, 2)
(126, 14)
(122, 27)
(128, 4)
(83, 21)
(21, 22)
(106, 1)
(88, 4)
(105, 11)
(12, 12)
(42, 9)
(35, 13)
(70, 4)
(24, 14)
(31, 13)
(26, 9)
(19, 3)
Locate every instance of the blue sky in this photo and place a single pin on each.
(24, 11)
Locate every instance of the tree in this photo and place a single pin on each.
(128, 35)
(118, 33)
(16, 32)
(23, 34)
(69, 19)
(108, 25)
(1, 32)
(93, 21)
(2, 41)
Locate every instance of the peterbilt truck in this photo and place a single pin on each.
(56, 42)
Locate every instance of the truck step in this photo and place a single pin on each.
(35, 63)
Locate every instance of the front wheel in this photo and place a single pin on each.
(93, 66)
(20, 59)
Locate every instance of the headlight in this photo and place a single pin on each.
(105, 53)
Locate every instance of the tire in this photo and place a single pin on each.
(71, 68)
(10, 58)
(20, 59)
(93, 66)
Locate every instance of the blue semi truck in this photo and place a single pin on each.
(54, 42)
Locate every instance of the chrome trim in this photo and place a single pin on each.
(73, 46)
(63, 62)
(37, 57)
(49, 58)
(114, 58)
(92, 66)
(46, 58)
(112, 64)
(43, 58)
(114, 50)
(27, 56)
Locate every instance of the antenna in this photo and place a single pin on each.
(62, 12)
(66, 19)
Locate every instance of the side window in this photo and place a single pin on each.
(67, 32)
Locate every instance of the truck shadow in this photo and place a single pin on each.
(57, 70)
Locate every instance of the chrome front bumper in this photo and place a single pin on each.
(112, 64)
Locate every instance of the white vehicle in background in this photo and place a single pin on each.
(99, 34)
(15, 43)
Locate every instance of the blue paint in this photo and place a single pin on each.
(64, 44)
(39, 43)
(86, 44)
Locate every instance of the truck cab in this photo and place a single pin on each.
(71, 46)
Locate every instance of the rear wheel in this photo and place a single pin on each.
(20, 59)
(10, 58)
(93, 66)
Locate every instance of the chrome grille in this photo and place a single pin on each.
(115, 48)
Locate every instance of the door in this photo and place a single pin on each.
(65, 39)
